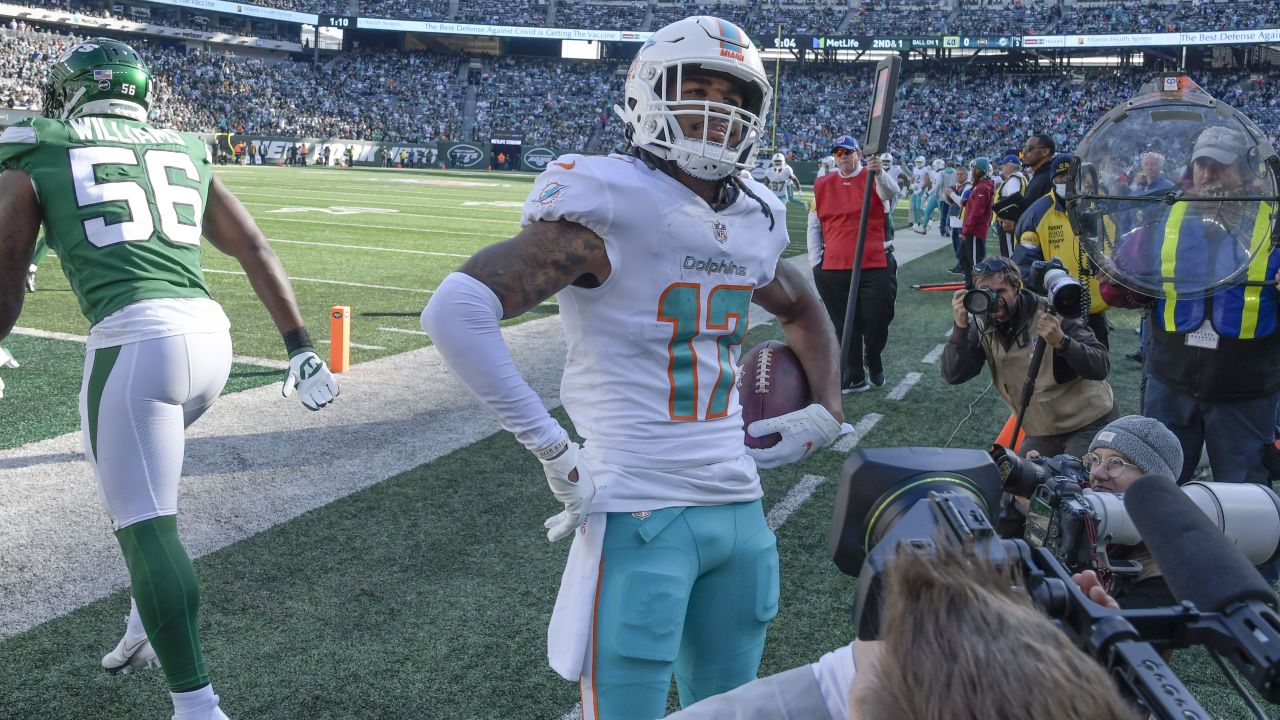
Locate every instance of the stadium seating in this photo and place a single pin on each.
(761, 18)
(943, 110)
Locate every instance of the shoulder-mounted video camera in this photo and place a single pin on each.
(922, 497)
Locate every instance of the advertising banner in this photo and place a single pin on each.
(265, 13)
(534, 158)
(364, 152)
(467, 156)
(511, 31)
(1137, 40)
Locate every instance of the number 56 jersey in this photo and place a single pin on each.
(652, 363)
(122, 202)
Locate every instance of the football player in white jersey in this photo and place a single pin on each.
(782, 180)
(654, 257)
(918, 195)
(826, 165)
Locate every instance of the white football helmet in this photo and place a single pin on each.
(886, 159)
(939, 164)
(779, 160)
(696, 45)
(920, 161)
(829, 161)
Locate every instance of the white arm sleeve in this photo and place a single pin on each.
(886, 187)
(462, 320)
(813, 239)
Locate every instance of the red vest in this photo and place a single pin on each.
(838, 201)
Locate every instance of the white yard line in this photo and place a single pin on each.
(355, 345)
(934, 355)
(796, 497)
(905, 386)
(295, 278)
(402, 330)
(367, 226)
(513, 222)
(860, 430)
(368, 247)
(241, 359)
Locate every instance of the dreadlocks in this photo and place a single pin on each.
(729, 188)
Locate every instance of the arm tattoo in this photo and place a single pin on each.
(543, 259)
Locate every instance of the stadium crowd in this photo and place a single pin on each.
(600, 16)
(761, 18)
(563, 104)
(558, 104)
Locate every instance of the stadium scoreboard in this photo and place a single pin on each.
(341, 22)
(895, 44)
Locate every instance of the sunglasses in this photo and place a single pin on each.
(990, 266)
(841, 152)
(1113, 465)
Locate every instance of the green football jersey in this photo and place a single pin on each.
(122, 204)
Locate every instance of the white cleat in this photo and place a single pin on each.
(129, 656)
(31, 281)
(7, 361)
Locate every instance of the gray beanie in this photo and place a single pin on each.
(1146, 442)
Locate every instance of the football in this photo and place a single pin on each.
(771, 383)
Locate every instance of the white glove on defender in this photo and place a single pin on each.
(317, 386)
(576, 496)
(803, 431)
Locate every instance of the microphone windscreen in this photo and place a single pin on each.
(1198, 562)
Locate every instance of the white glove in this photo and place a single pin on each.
(575, 494)
(317, 386)
(803, 432)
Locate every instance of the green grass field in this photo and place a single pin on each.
(428, 595)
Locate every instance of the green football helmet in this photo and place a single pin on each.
(100, 76)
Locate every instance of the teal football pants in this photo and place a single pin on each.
(917, 208)
(683, 590)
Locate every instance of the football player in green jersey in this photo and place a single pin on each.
(124, 205)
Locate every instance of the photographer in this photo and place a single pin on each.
(1072, 400)
(1123, 451)
(1043, 231)
(950, 618)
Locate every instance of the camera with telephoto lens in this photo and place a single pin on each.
(1077, 524)
(917, 499)
(1066, 295)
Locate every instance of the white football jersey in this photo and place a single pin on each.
(652, 364)
(917, 178)
(778, 179)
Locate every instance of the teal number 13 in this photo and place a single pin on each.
(726, 316)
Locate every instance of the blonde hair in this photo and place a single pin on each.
(959, 642)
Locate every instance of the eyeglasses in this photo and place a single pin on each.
(841, 152)
(1113, 465)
